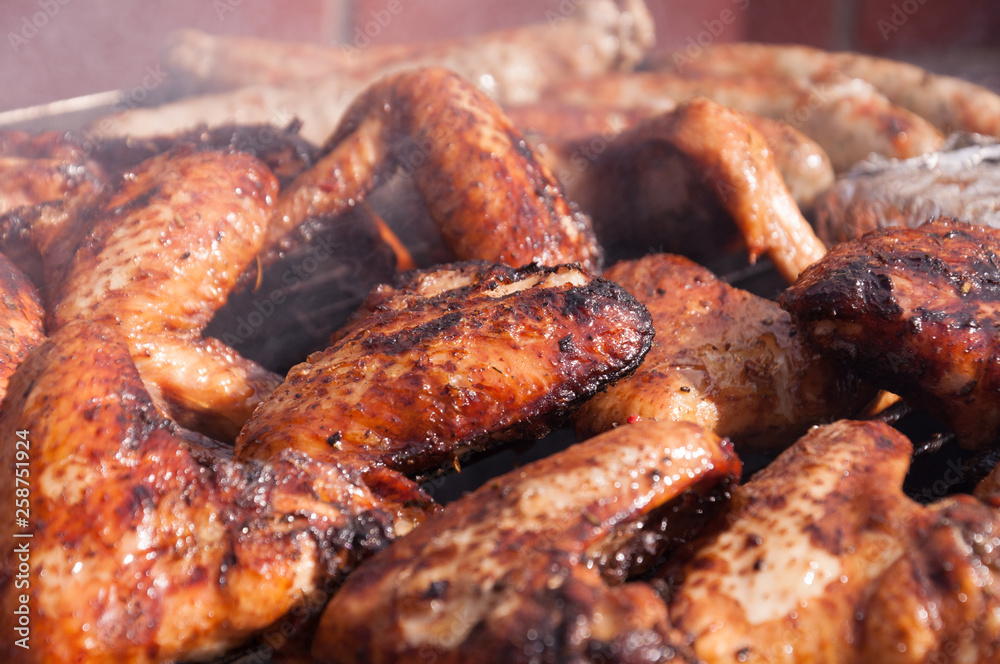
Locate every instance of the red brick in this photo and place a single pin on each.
(910, 25)
(794, 22)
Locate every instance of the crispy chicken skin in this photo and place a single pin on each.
(822, 558)
(530, 567)
(491, 198)
(567, 137)
(21, 316)
(914, 310)
(155, 254)
(48, 166)
(679, 178)
(950, 103)
(847, 116)
(450, 360)
(722, 358)
(146, 545)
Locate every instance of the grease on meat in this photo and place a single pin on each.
(156, 253)
(149, 545)
(483, 186)
(824, 559)
(450, 360)
(21, 316)
(723, 358)
(532, 566)
(915, 311)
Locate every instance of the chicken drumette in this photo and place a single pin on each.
(822, 558)
(723, 358)
(531, 567)
(450, 359)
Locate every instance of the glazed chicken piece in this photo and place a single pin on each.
(490, 197)
(950, 103)
(145, 544)
(450, 360)
(962, 181)
(155, 253)
(532, 566)
(847, 116)
(914, 311)
(20, 320)
(35, 168)
(568, 138)
(723, 358)
(823, 559)
(681, 179)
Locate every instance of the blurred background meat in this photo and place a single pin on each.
(41, 59)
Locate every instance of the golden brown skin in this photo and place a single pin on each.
(568, 137)
(21, 316)
(491, 198)
(914, 311)
(823, 559)
(723, 358)
(846, 116)
(683, 178)
(48, 166)
(155, 254)
(530, 567)
(950, 103)
(450, 360)
(148, 546)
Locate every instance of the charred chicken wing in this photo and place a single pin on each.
(530, 567)
(449, 360)
(155, 253)
(723, 358)
(824, 559)
(483, 186)
(147, 545)
(915, 311)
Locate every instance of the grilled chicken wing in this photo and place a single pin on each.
(529, 568)
(950, 103)
(681, 179)
(824, 559)
(491, 198)
(567, 138)
(914, 310)
(450, 360)
(284, 152)
(847, 116)
(146, 546)
(21, 317)
(155, 254)
(723, 358)
(35, 168)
